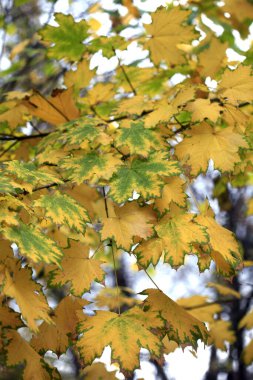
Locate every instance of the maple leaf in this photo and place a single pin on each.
(134, 106)
(181, 326)
(211, 59)
(19, 285)
(162, 113)
(33, 243)
(179, 232)
(91, 166)
(128, 221)
(79, 78)
(78, 269)
(80, 131)
(166, 33)
(13, 114)
(203, 108)
(67, 38)
(247, 321)
(220, 331)
(63, 209)
(173, 191)
(199, 307)
(221, 146)
(150, 251)
(221, 240)
(143, 176)
(55, 336)
(237, 85)
(138, 139)
(8, 185)
(56, 109)
(113, 298)
(247, 353)
(98, 371)
(30, 174)
(9, 318)
(224, 290)
(20, 351)
(119, 331)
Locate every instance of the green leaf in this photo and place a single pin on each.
(63, 209)
(139, 139)
(7, 185)
(90, 167)
(107, 45)
(67, 38)
(143, 176)
(33, 243)
(80, 130)
(31, 175)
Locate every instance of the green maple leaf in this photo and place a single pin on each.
(139, 139)
(90, 166)
(33, 243)
(63, 209)
(143, 176)
(67, 38)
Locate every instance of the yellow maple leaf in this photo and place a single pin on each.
(237, 85)
(113, 298)
(221, 240)
(79, 78)
(56, 109)
(247, 353)
(162, 113)
(150, 251)
(19, 285)
(128, 221)
(220, 331)
(173, 191)
(179, 232)
(181, 326)
(134, 106)
(9, 318)
(119, 331)
(203, 108)
(234, 6)
(198, 307)
(14, 113)
(211, 59)
(55, 336)
(20, 351)
(247, 321)
(98, 371)
(224, 290)
(166, 33)
(78, 269)
(221, 146)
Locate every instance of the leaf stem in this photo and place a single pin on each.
(125, 73)
(151, 279)
(113, 255)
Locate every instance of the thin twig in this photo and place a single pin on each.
(4, 137)
(9, 148)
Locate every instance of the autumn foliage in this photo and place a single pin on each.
(109, 169)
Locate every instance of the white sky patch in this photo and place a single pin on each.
(150, 5)
(132, 53)
(234, 56)
(218, 29)
(189, 367)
